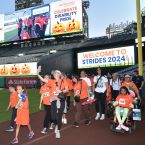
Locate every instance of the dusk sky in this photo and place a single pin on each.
(101, 13)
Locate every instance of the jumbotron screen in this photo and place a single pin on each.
(56, 18)
(122, 56)
(25, 24)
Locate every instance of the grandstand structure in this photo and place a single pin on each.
(36, 50)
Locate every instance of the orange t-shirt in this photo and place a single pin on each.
(39, 21)
(124, 100)
(45, 91)
(13, 99)
(53, 85)
(25, 35)
(130, 84)
(83, 87)
(23, 113)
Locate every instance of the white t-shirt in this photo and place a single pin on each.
(88, 81)
(101, 87)
(116, 85)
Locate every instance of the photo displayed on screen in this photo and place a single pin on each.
(27, 23)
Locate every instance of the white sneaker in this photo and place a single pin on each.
(44, 131)
(58, 134)
(118, 127)
(102, 117)
(64, 121)
(124, 127)
(97, 116)
(51, 126)
(56, 129)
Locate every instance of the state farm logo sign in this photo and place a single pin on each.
(27, 82)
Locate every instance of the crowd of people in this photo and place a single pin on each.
(58, 89)
(32, 27)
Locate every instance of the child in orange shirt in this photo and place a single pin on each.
(123, 103)
(12, 105)
(45, 100)
(22, 115)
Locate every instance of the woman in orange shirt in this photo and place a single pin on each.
(130, 85)
(68, 94)
(57, 86)
(81, 94)
(12, 105)
(45, 100)
(22, 115)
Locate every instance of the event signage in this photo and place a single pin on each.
(19, 69)
(66, 16)
(123, 56)
(25, 81)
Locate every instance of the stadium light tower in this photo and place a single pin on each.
(23, 4)
(85, 5)
(139, 35)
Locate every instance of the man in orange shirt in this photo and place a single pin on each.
(12, 105)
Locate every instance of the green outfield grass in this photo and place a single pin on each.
(11, 34)
(34, 98)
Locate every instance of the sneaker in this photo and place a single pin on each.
(87, 122)
(14, 141)
(97, 116)
(44, 131)
(102, 117)
(56, 129)
(124, 127)
(31, 134)
(76, 124)
(10, 129)
(64, 121)
(58, 134)
(51, 126)
(118, 127)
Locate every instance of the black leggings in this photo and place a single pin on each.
(100, 100)
(14, 114)
(19, 33)
(68, 102)
(47, 118)
(56, 114)
(115, 93)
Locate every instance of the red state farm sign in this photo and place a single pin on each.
(26, 82)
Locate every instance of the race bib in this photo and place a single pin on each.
(122, 101)
(46, 94)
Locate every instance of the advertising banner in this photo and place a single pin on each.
(25, 81)
(123, 56)
(66, 16)
(20, 69)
